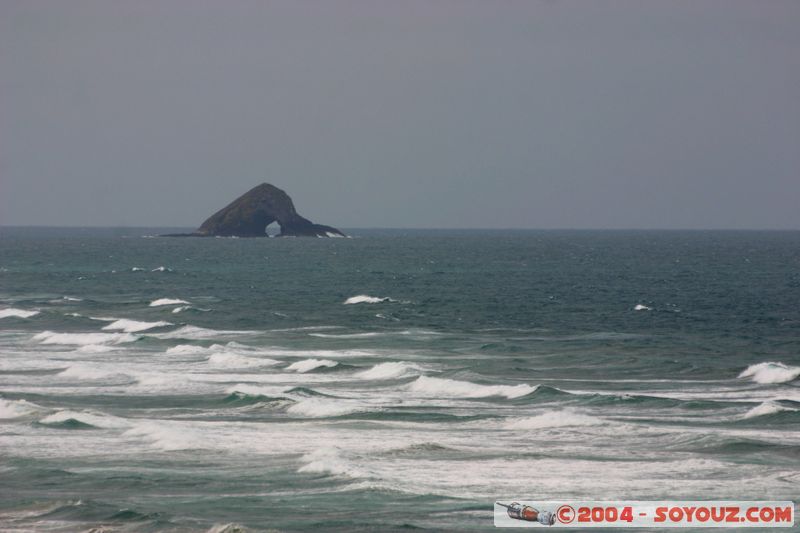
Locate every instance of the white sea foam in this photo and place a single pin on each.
(563, 418)
(766, 408)
(86, 372)
(234, 360)
(391, 370)
(771, 372)
(17, 313)
(167, 301)
(366, 299)
(334, 235)
(16, 408)
(181, 309)
(346, 335)
(328, 461)
(195, 332)
(167, 436)
(324, 407)
(132, 326)
(161, 269)
(464, 389)
(137, 269)
(307, 365)
(186, 349)
(50, 337)
(71, 299)
(95, 348)
(640, 307)
(99, 420)
(258, 390)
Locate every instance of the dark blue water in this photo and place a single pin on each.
(187, 384)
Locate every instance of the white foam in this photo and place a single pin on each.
(167, 436)
(100, 420)
(334, 235)
(161, 269)
(181, 309)
(328, 461)
(307, 365)
(346, 335)
(95, 348)
(234, 360)
(132, 326)
(137, 269)
(324, 407)
(563, 418)
(50, 337)
(86, 372)
(366, 299)
(391, 370)
(771, 372)
(640, 307)
(766, 408)
(167, 301)
(18, 313)
(186, 349)
(253, 390)
(71, 299)
(195, 332)
(16, 408)
(442, 387)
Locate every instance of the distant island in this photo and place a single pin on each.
(250, 214)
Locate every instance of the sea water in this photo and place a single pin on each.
(394, 380)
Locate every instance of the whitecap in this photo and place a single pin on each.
(166, 435)
(771, 372)
(550, 419)
(308, 365)
(50, 337)
(137, 269)
(366, 299)
(328, 461)
(161, 269)
(390, 370)
(16, 408)
(766, 408)
(234, 360)
(195, 332)
(95, 348)
(17, 313)
(167, 301)
(640, 307)
(465, 389)
(132, 326)
(324, 407)
(86, 372)
(71, 299)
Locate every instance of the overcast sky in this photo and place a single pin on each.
(437, 113)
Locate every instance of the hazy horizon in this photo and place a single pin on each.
(551, 114)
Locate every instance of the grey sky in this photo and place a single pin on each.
(437, 113)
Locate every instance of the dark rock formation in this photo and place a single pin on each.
(250, 214)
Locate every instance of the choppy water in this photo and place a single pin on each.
(237, 385)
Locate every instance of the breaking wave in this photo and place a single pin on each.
(640, 307)
(86, 372)
(771, 372)
(16, 408)
(17, 313)
(391, 370)
(366, 299)
(235, 360)
(766, 408)
(307, 365)
(328, 461)
(167, 301)
(195, 332)
(550, 419)
(465, 389)
(83, 418)
(50, 337)
(132, 326)
(324, 407)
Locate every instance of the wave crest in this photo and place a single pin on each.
(771, 372)
(466, 389)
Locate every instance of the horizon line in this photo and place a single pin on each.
(122, 227)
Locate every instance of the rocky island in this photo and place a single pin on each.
(250, 214)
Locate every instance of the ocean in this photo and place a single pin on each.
(396, 380)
